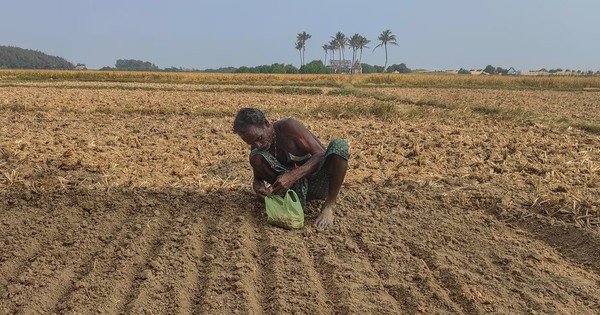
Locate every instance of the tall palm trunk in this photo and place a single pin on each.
(386, 58)
(386, 37)
(332, 55)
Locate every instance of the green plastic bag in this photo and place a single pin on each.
(285, 212)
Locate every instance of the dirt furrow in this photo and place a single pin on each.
(13, 219)
(249, 263)
(492, 267)
(353, 290)
(19, 261)
(39, 229)
(579, 245)
(297, 279)
(201, 299)
(377, 241)
(416, 287)
(355, 247)
(184, 282)
(87, 266)
(110, 283)
(457, 290)
(144, 292)
(172, 275)
(137, 268)
(212, 292)
(231, 253)
(50, 274)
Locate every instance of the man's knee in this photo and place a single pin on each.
(339, 147)
(336, 159)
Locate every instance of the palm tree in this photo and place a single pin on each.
(362, 43)
(326, 49)
(353, 42)
(386, 37)
(340, 43)
(301, 39)
(332, 47)
(299, 47)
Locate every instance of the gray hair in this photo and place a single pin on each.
(248, 117)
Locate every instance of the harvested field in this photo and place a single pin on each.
(135, 198)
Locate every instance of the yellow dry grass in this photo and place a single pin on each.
(404, 80)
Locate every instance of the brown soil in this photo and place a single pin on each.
(136, 201)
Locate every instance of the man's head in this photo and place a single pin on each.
(254, 128)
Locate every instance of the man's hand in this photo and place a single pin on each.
(284, 182)
(261, 189)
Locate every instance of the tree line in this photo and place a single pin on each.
(313, 67)
(19, 58)
(133, 65)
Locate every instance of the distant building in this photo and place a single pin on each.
(344, 66)
(534, 73)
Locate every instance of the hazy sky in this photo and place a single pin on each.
(432, 34)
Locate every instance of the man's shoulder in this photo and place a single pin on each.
(285, 121)
(293, 128)
(288, 123)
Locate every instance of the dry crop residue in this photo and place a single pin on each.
(137, 201)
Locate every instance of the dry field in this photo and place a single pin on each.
(134, 198)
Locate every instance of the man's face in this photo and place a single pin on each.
(258, 137)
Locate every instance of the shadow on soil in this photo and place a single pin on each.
(577, 244)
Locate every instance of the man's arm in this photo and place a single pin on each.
(304, 142)
(262, 173)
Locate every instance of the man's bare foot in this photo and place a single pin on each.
(325, 218)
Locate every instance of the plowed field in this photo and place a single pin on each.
(135, 198)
